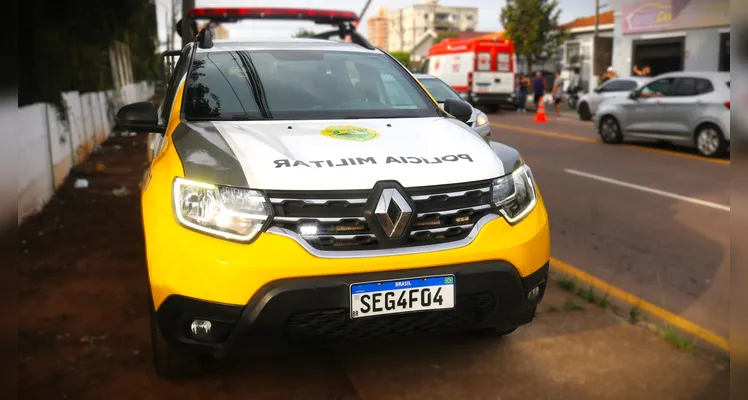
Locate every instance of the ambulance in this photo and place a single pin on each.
(481, 70)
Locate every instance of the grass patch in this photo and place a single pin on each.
(552, 308)
(635, 314)
(592, 297)
(567, 283)
(570, 305)
(675, 338)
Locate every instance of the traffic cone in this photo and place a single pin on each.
(540, 114)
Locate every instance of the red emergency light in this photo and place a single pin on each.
(234, 14)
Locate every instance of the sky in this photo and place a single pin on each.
(488, 14)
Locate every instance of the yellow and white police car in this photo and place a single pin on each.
(291, 199)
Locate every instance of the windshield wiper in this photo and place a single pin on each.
(253, 80)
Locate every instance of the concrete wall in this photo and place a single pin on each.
(50, 143)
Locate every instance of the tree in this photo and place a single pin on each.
(68, 46)
(403, 57)
(533, 27)
(303, 33)
(445, 35)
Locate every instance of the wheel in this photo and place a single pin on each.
(170, 362)
(584, 112)
(709, 140)
(610, 131)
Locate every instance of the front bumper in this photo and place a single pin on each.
(316, 310)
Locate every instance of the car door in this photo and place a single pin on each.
(644, 114)
(683, 106)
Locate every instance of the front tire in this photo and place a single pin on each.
(584, 112)
(170, 362)
(709, 140)
(610, 130)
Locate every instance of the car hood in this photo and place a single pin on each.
(338, 154)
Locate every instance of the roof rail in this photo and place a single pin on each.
(346, 31)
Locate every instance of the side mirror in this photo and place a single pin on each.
(597, 90)
(633, 95)
(460, 109)
(139, 117)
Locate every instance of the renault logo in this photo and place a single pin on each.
(393, 212)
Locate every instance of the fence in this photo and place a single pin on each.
(50, 144)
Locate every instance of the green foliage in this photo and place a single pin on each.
(403, 57)
(445, 35)
(66, 46)
(571, 305)
(533, 26)
(303, 33)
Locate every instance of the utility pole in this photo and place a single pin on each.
(595, 67)
(187, 5)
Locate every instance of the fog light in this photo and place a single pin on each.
(532, 294)
(200, 328)
(308, 230)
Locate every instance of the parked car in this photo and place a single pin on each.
(615, 88)
(440, 91)
(679, 106)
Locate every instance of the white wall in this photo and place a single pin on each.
(50, 145)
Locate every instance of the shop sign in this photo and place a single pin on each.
(668, 15)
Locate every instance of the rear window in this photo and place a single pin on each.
(301, 85)
(504, 61)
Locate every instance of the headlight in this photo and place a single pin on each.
(227, 212)
(514, 194)
(481, 119)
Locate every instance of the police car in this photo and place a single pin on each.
(291, 200)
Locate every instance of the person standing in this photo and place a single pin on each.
(646, 71)
(539, 88)
(558, 93)
(522, 94)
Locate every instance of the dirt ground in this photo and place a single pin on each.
(83, 328)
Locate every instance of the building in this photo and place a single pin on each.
(377, 29)
(671, 35)
(413, 25)
(578, 55)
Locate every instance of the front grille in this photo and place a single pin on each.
(337, 325)
(442, 214)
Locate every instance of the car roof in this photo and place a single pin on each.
(632, 78)
(285, 44)
(697, 74)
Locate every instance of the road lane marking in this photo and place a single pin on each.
(545, 133)
(673, 319)
(590, 140)
(650, 190)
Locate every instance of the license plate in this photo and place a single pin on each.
(402, 296)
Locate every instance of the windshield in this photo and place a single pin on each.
(439, 90)
(301, 85)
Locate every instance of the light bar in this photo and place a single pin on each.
(232, 14)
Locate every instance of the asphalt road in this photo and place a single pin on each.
(651, 219)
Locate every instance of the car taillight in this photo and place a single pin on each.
(727, 104)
